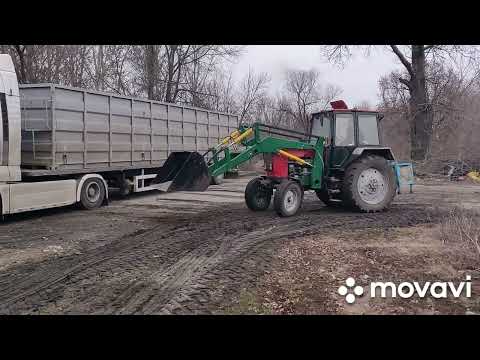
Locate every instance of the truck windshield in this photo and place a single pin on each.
(367, 129)
(344, 130)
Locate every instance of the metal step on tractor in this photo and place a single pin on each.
(340, 158)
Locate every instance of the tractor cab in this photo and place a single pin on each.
(349, 133)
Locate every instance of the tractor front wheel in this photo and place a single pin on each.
(257, 195)
(288, 198)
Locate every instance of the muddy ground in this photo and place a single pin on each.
(206, 253)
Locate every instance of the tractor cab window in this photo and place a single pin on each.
(321, 125)
(367, 129)
(344, 130)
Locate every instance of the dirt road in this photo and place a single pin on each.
(179, 253)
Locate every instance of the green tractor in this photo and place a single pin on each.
(359, 170)
(340, 158)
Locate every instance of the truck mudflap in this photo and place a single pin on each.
(183, 171)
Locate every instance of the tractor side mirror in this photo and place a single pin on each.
(380, 117)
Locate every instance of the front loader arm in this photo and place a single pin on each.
(266, 145)
(191, 171)
(228, 163)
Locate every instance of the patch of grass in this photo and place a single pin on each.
(248, 304)
(463, 226)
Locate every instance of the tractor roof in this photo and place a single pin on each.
(345, 111)
(341, 106)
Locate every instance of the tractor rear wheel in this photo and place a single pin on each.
(288, 198)
(258, 195)
(369, 184)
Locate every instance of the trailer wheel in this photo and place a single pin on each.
(257, 195)
(92, 193)
(369, 184)
(288, 198)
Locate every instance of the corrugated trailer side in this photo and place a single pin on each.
(67, 128)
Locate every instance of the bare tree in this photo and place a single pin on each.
(108, 68)
(301, 95)
(364, 105)
(414, 59)
(453, 101)
(220, 92)
(252, 91)
(178, 73)
(64, 64)
(306, 95)
(172, 73)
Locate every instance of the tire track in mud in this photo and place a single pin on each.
(185, 278)
(176, 268)
(26, 281)
(248, 246)
(34, 282)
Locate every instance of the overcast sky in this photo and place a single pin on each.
(358, 79)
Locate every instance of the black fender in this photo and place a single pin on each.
(361, 151)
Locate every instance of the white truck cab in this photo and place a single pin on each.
(10, 132)
(17, 196)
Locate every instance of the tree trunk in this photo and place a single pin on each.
(150, 70)
(421, 124)
(100, 76)
(169, 91)
(21, 59)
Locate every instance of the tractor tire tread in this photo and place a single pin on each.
(250, 196)
(278, 202)
(351, 199)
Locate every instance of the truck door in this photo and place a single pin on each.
(4, 131)
(344, 139)
(10, 136)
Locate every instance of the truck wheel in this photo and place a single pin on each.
(369, 184)
(288, 198)
(257, 195)
(217, 180)
(92, 193)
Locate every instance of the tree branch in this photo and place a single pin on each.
(404, 61)
(404, 82)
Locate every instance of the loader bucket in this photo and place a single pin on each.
(183, 171)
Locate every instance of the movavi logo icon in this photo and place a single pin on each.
(405, 290)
